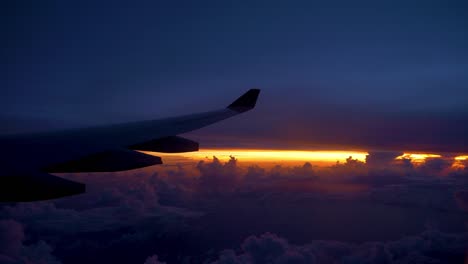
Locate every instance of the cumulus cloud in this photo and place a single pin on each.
(436, 166)
(218, 177)
(431, 246)
(47, 217)
(12, 249)
(40, 253)
(386, 180)
(112, 201)
(381, 159)
(124, 206)
(153, 260)
(121, 208)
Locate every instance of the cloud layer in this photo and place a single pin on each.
(431, 246)
(13, 251)
(190, 212)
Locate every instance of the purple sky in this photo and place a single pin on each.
(371, 74)
(339, 74)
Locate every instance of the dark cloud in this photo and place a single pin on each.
(436, 166)
(14, 251)
(112, 201)
(271, 249)
(153, 260)
(47, 217)
(431, 246)
(152, 210)
(381, 178)
(381, 159)
(461, 196)
(218, 177)
(417, 195)
(39, 253)
(11, 238)
(118, 210)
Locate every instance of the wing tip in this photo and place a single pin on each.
(245, 102)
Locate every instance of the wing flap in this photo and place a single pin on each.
(173, 144)
(30, 187)
(68, 151)
(107, 161)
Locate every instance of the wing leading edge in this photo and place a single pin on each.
(98, 149)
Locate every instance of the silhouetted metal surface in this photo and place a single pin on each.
(172, 144)
(246, 102)
(96, 149)
(107, 161)
(37, 186)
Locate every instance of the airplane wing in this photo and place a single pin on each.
(30, 158)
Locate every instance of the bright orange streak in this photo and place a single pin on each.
(459, 162)
(274, 155)
(461, 158)
(418, 157)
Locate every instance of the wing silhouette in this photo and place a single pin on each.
(28, 159)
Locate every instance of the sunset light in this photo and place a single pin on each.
(167, 132)
(418, 157)
(250, 155)
(460, 162)
(319, 157)
(461, 158)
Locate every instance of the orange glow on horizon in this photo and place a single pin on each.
(418, 157)
(250, 155)
(323, 157)
(460, 162)
(461, 158)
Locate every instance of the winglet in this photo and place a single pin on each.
(246, 102)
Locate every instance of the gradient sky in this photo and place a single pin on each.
(374, 74)
(381, 77)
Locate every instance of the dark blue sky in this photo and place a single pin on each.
(371, 75)
(86, 62)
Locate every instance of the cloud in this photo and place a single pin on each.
(461, 196)
(119, 209)
(435, 166)
(12, 249)
(267, 248)
(46, 216)
(217, 177)
(270, 248)
(381, 159)
(142, 206)
(113, 201)
(385, 180)
(431, 246)
(40, 253)
(153, 260)
(434, 196)
(11, 238)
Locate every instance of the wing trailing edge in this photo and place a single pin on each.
(172, 144)
(107, 161)
(29, 187)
